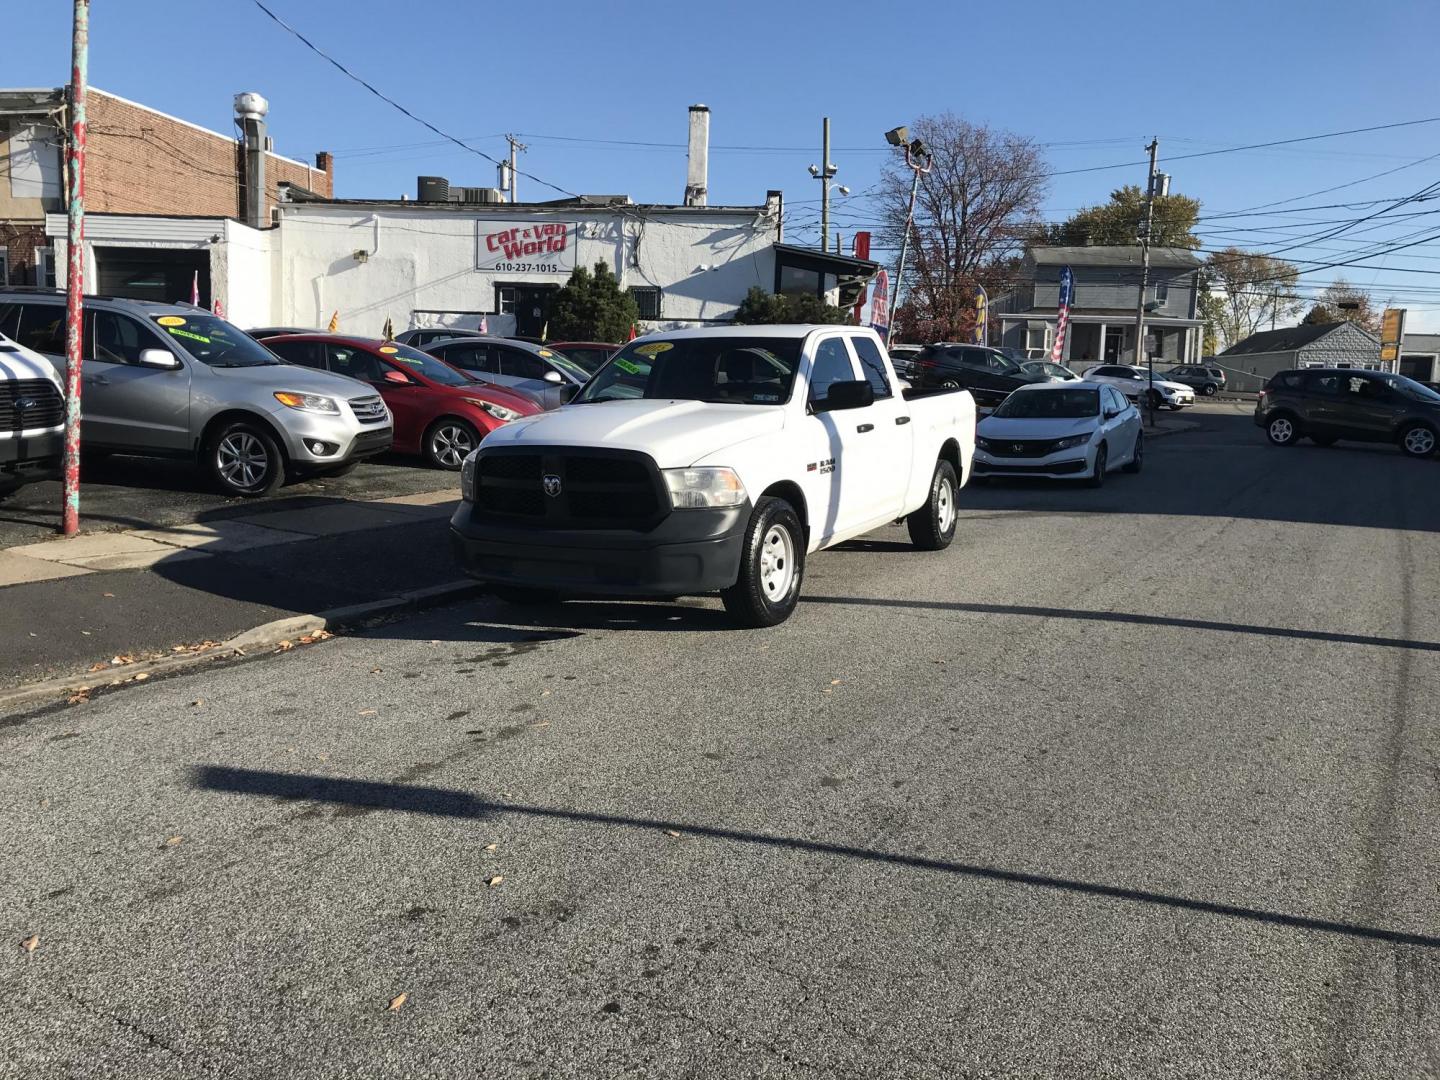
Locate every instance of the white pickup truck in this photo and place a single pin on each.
(713, 460)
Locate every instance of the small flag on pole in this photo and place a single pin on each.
(335, 321)
(1062, 317)
(195, 289)
(218, 308)
(389, 332)
(545, 332)
(484, 325)
(633, 334)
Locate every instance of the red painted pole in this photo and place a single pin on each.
(75, 272)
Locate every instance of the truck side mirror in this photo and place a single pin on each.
(849, 394)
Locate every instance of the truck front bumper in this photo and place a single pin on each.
(39, 451)
(690, 551)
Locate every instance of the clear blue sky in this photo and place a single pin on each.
(1091, 82)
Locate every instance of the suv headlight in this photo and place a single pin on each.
(307, 402)
(1073, 440)
(699, 489)
(467, 477)
(499, 412)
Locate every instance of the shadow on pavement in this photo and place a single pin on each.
(370, 796)
(1132, 619)
(488, 615)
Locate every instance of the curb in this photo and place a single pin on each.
(264, 636)
(1179, 427)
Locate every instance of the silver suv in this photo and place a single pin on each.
(172, 380)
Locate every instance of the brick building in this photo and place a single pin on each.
(139, 162)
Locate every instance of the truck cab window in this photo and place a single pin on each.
(832, 364)
(873, 365)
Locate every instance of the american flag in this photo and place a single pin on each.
(1062, 321)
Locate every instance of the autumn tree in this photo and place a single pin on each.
(1120, 222)
(975, 209)
(1248, 290)
(1319, 314)
(1346, 303)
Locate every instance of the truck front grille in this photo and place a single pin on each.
(568, 488)
(28, 404)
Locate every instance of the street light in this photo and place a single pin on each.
(918, 158)
(824, 172)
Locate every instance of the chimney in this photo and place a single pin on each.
(697, 177)
(250, 110)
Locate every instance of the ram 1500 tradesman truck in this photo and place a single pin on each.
(713, 460)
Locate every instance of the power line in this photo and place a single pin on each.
(395, 104)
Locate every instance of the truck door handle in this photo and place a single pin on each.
(902, 419)
(864, 428)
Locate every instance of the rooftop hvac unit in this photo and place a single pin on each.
(475, 195)
(432, 189)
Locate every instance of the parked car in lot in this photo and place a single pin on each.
(1070, 430)
(901, 357)
(260, 333)
(440, 413)
(713, 460)
(422, 336)
(1051, 372)
(988, 374)
(548, 375)
(32, 414)
(1326, 405)
(1201, 377)
(1136, 384)
(590, 355)
(172, 380)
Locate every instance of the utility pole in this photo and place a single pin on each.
(75, 272)
(919, 160)
(824, 173)
(1145, 278)
(515, 145)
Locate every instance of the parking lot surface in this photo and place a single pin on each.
(1137, 782)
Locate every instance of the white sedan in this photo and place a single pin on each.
(1060, 430)
(1134, 382)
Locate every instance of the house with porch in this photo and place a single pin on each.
(1102, 309)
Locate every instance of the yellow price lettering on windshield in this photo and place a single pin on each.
(170, 320)
(654, 348)
(388, 349)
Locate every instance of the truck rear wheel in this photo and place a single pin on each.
(772, 564)
(932, 527)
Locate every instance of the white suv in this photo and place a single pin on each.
(32, 412)
(1135, 382)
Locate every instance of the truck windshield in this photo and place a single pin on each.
(1052, 404)
(214, 341)
(733, 370)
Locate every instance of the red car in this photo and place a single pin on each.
(440, 413)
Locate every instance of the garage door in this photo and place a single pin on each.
(147, 274)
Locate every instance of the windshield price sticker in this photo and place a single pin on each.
(628, 367)
(170, 320)
(388, 349)
(654, 348)
(187, 334)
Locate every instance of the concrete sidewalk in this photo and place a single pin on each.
(67, 605)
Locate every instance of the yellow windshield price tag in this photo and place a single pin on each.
(387, 349)
(654, 349)
(170, 320)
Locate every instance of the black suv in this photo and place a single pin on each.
(1328, 404)
(988, 374)
(1207, 380)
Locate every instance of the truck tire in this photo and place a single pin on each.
(932, 527)
(772, 565)
(243, 459)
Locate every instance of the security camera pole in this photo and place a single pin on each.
(824, 174)
(1145, 281)
(918, 159)
(75, 272)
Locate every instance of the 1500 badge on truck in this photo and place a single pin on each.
(716, 460)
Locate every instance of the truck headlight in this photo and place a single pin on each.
(467, 478)
(1073, 440)
(700, 489)
(307, 402)
(499, 412)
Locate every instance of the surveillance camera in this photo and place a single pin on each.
(898, 136)
(814, 171)
(844, 190)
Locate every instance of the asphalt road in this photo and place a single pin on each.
(1138, 782)
(136, 493)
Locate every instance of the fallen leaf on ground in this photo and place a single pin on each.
(173, 841)
(836, 682)
(116, 661)
(491, 847)
(397, 1001)
(672, 832)
(197, 703)
(79, 696)
(367, 712)
(111, 595)
(85, 632)
(545, 693)
(178, 648)
(375, 671)
(141, 676)
(284, 646)
(496, 880)
(30, 943)
(99, 666)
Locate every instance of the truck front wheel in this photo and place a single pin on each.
(932, 527)
(772, 564)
